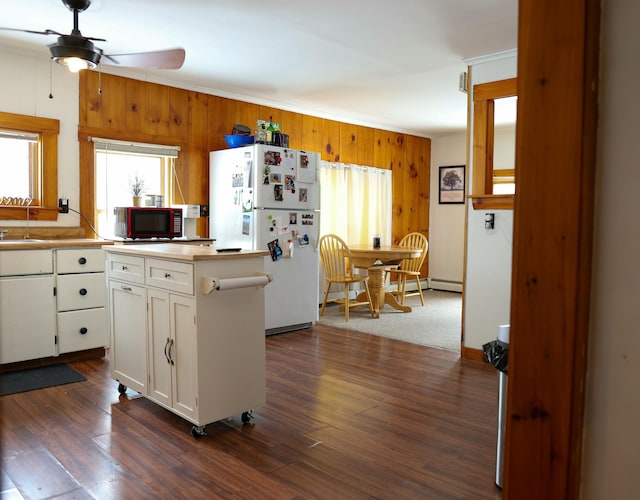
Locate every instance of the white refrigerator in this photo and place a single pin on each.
(267, 198)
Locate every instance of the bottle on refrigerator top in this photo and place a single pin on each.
(270, 131)
(260, 135)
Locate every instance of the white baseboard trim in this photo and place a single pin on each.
(445, 285)
(425, 284)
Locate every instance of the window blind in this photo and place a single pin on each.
(110, 145)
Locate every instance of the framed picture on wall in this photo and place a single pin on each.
(451, 184)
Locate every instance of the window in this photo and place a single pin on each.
(117, 165)
(356, 202)
(28, 167)
(489, 99)
(20, 155)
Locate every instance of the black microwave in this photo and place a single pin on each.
(148, 222)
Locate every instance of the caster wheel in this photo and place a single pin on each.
(198, 432)
(247, 416)
(122, 388)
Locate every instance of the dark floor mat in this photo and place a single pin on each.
(38, 378)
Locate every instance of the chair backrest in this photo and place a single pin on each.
(414, 240)
(335, 257)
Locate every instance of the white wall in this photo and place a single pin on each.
(504, 150)
(611, 439)
(446, 222)
(488, 274)
(24, 89)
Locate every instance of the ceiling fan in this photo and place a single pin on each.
(78, 52)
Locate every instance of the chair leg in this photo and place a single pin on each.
(346, 301)
(371, 308)
(420, 289)
(326, 296)
(403, 288)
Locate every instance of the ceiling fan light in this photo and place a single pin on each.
(74, 64)
(75, 53)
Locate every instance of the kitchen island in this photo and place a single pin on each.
(187, 328)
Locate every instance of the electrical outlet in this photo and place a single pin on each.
(489, 221)
(63, 205)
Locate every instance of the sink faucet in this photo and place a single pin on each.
(2, 233)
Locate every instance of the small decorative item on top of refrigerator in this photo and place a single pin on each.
(260, 135)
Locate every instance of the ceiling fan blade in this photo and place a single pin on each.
(45, 32)
(52, 32)
(162, 59)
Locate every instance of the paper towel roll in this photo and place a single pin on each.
(233, 283)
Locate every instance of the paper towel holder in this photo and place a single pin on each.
(209, 284)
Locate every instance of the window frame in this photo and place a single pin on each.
(45, 204)
(484, 96)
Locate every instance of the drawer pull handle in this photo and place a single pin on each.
(126, 288)
(83, 291)
(125, 268)
(167, 275)
(82, 260)
(83, 330)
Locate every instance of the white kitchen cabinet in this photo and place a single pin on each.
(80, 299)
(204, 354)
(172, 343)
(27, 318)
(51, 300)
(27, 305)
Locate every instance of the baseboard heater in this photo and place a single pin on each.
(288, 328)
(390, 286)
(445, 285)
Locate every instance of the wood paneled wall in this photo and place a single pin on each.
(121, 108)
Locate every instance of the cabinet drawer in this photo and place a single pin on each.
(80, 330)
(80, 260)
(176, 276)
(126, 268)
(22, 262)
(80, 291)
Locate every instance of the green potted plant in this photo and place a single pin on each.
(136, 187)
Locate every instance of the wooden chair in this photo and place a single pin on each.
(338, 267)
(410, 268)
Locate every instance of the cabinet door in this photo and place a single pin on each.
(172, 352)
(27, 318)
(160, 345)
(128, 328)
(184, 354)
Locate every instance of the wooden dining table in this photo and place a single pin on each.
(376, 261)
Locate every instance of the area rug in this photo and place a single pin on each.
(436, 324)
(38, 378)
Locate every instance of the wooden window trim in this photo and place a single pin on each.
(484, 96)
(48, 129)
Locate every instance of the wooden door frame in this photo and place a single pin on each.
(558, 47)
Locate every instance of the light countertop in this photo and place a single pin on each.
(33, 244)
(181, 251)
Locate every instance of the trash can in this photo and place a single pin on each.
(497, 353)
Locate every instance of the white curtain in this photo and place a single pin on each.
(355, 202)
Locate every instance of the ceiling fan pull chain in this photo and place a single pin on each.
(50, 78)
(99, 81)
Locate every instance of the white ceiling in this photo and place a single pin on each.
(390, 65)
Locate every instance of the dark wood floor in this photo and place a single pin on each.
(348, 415)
